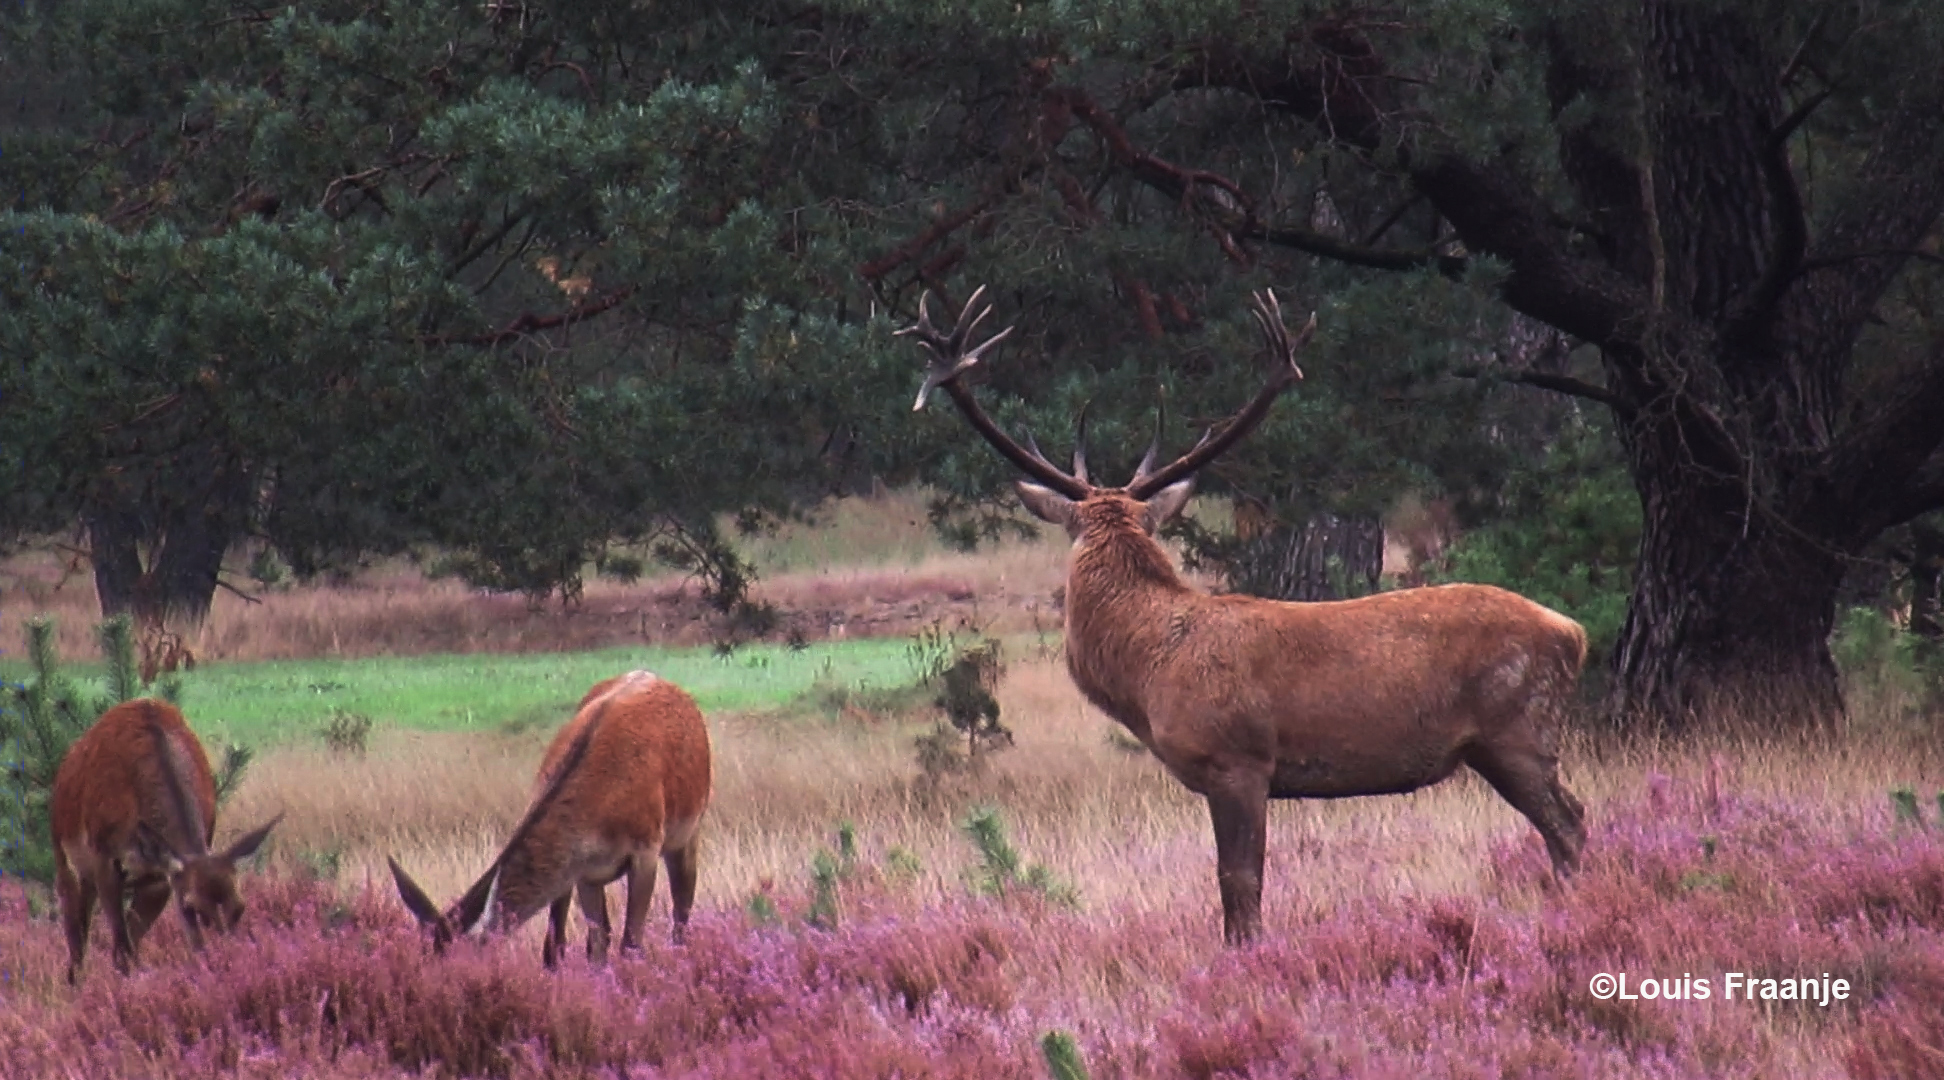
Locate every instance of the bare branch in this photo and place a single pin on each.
(1561, 384)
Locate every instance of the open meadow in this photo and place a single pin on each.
(849, 925)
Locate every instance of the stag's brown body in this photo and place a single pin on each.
(623, 784)
(1245, 699)
(134, 811)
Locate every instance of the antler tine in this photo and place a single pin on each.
(950, 359)
(1154, 445)
(1268, 315)
(1080, 446)
(949, 356)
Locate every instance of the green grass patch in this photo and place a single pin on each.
(269, 702)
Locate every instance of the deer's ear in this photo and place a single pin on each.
(474, 909)
(1167, 502)
(247, 846)
(416, 902)
(1047, 505)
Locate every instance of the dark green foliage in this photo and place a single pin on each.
(390, 277)
(1565, 534)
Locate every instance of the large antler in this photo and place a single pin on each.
(1275, 334)
(950, 358)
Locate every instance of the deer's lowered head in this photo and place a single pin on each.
(202, 882)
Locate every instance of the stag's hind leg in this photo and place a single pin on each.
(683, 867)
(1529, 780)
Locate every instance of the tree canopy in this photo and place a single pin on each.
(526, 278)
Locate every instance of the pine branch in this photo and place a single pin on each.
(530, 323)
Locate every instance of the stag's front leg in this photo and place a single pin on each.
(1240, 811)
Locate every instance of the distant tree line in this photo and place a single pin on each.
(527, 281)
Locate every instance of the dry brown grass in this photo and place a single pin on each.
(1110, 821)
(858, 568)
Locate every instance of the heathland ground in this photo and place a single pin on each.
(1409, 935)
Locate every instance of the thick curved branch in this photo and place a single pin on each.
(1888, 469)
(1495, 211)
(1561, 384)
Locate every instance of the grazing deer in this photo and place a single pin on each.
(1246, 700)
(623, 783)
(134, 810)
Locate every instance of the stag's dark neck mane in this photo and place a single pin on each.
(1121, 592)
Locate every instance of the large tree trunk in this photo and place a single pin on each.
(1725, 625)
(1330, 558)
(159, 559)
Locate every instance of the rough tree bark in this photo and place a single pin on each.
(1329, 558)
(159, 558)
(1727, 330)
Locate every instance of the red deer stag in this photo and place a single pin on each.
(1246, 700)
(134, 810)
(623, 783)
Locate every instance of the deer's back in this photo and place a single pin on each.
(113, 776)
(646, 768)
(1397, 656)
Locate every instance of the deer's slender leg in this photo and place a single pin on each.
(593, 905)
(1240, 811)
(1530, 782)
(682, 870)
(151, 897)
(641, 892)
(77, 895)
(555, 945)
(108, 885)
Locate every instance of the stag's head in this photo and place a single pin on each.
(1070, 499)
(202, 883)
(465, 918)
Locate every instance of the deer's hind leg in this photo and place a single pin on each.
(555, 945)
(1529, 780)
(641, 893)
(684, 866)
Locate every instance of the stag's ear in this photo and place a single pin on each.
(1166, 503)
(1047, 505)
(416, 902)
(248, 845)
(155, 849)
